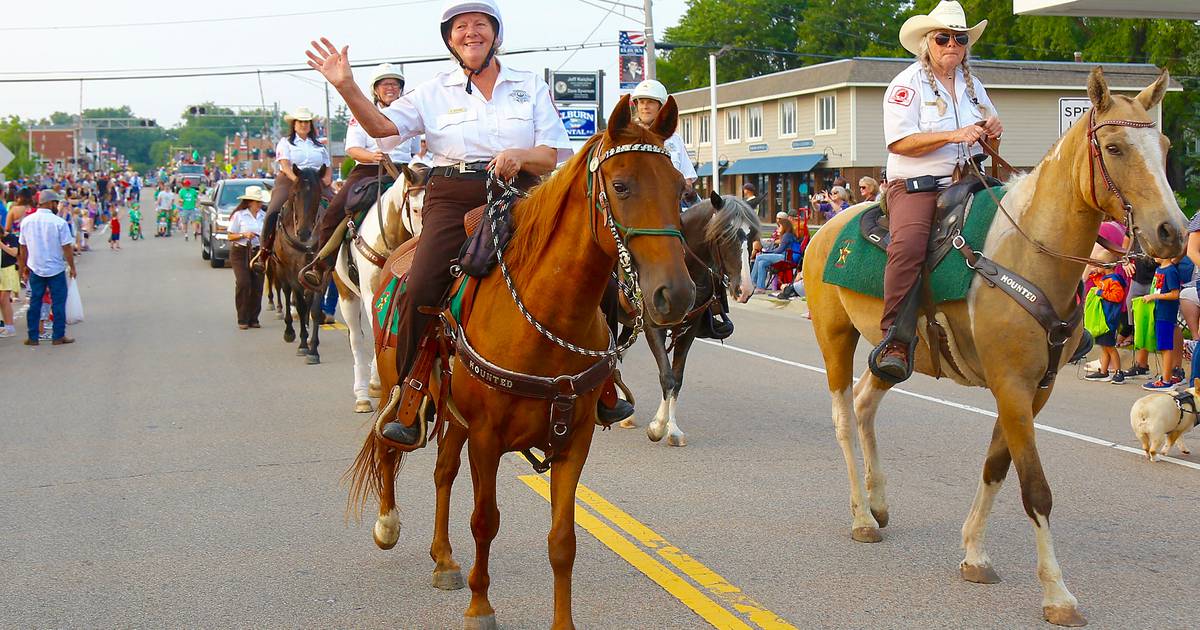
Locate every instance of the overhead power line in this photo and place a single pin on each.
(241, 18)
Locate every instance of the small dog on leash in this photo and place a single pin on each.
(1159, 420)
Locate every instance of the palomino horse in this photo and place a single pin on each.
(394, 219)
(560, 260)
(1110, 164)
(718, 231)
(294, 247)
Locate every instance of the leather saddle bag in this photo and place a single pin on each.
(478, 255)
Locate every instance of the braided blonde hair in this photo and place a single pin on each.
(969, 79)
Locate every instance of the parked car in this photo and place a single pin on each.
(215, 210)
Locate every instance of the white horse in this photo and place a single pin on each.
(393, 220)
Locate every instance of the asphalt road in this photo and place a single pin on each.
(169, 470)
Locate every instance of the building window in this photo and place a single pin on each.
(733, 125)
(827, 113)
(687, 130)
(704, 136)
(754, 122)
(787, 118)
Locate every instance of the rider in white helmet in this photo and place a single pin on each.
(483, 116)
(648, 97)
(387, 84)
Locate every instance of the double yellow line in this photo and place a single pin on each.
(704, 602)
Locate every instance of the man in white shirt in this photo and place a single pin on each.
(45, 258)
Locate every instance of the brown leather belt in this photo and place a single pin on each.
(462, 170)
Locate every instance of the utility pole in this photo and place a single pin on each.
(651, 61)
(78, 131)
(327, 118)
(712, 125)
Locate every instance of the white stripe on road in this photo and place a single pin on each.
(963, 407)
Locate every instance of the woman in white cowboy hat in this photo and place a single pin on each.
(483, 116)
(387, 84)
(245, 230)
(935, 112)
(300, 148)
(648, 97)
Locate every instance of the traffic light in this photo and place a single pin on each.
(197, 111)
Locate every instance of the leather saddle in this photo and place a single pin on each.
(400, 261)
(953, 206)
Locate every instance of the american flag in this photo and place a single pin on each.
(632, 38)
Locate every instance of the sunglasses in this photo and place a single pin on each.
(943, 39)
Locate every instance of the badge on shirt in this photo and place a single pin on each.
(519, 96)
(901, 95)
(456, 110)
(353, 122)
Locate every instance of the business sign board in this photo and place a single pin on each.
(579, 121)
(576, 87)
(758, 148)
(632, 57)
(1071, 110)
(802, 144)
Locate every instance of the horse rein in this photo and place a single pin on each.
(295, 241)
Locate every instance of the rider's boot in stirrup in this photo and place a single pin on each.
(410, 436)
(312, 273)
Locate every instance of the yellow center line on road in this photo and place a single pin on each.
(692, 597)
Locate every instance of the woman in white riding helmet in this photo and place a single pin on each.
(387, 84)
(481, 117)
(648, 97)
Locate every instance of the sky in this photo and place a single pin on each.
(408, 28)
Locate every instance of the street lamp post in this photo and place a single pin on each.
(712, 126)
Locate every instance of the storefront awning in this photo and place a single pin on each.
(704, 170)
(779, 164)
(1179, 9)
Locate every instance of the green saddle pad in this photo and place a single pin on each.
(387, 318)
(857, 264)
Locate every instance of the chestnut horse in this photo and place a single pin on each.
(1109, 164)
(560, 260)
(294, 247)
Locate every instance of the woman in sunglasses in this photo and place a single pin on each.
(935, 113)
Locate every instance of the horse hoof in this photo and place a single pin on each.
(676, 439)
(449, 580)
(487, 622)
(314, 359)
(289, 337)
(387, 530)
(375, 390)
(881, 517)
(866, 535)
(302, 351)
(628, 423)
(1064, 616)
(978, 574)
(655, 431)
(363, 406)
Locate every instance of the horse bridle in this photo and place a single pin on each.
(293, 240)
(1096, 156)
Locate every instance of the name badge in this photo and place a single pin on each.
(457, 110)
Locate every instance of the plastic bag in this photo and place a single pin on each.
(74, 302)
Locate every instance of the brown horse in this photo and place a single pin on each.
(294, 247)
(560, 260)
(1111, 164)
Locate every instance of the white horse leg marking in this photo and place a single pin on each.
(866, 405)
(658, 427)
(387, 529)
(977, 565)
(1056, 599)
(675, 437)
(747, 286)
(864, 524)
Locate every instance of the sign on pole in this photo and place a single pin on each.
(576, 87)
(579, 121)
(632, 45)
(6, 156)
(1071, 110)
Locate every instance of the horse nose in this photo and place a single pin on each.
(662, 300)
(1168, 233)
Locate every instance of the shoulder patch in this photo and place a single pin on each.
(353, 122)
(901, 95)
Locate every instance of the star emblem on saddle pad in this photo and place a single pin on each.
(843, 253)
(382, 302)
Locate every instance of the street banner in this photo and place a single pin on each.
(579, 121)
(576, 87)
(632, 58)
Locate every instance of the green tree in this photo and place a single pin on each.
(14, 136)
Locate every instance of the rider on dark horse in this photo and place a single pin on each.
(481, 118)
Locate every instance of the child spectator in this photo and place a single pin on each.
(1165, 295)
(1142, 277)
(1108, 288)
(114, 238)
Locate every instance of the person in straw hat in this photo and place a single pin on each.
(935, 113)
(300, 148)
(245, 231)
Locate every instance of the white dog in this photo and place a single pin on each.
(1159, 421)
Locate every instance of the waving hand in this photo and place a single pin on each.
(332, 64)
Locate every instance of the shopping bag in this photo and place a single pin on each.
(74, 302)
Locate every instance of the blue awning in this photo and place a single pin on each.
(778, 164)
(704, 170)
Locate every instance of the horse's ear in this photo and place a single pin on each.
(717, 201)
(1098, 91)
(1153, 95)
(668, 117)
(621, 116)
(409, 175)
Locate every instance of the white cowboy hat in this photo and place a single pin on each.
(947, 15)
(301, 113)
(385, 71)
(253, 193)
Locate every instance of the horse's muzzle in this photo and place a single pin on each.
(669, 302)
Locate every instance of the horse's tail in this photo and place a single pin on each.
(365, 476)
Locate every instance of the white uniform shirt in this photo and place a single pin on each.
(44, 234)
(304, 154)
(462, 127)
(909, 106)
(358, 138)
(679, 157)
(244, 221)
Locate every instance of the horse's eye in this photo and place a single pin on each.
(1113, 149)
(620, 187)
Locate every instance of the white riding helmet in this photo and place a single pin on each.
(650, 89)
(454, 8)
(386, 71)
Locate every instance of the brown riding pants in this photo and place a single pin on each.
(910, 218)
(247, 287)
(336, 212)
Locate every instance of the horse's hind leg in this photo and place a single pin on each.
(868, 393)
(1017, 407)
(447, 575)
(564, 481)
(387, 525)
(351, 308)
